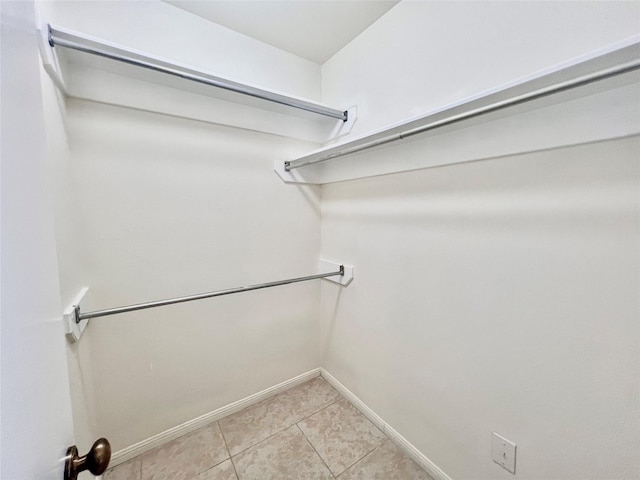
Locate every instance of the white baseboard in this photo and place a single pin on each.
(160, 439)
(406, 446)
(150, 443)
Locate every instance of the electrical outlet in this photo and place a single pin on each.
(503, 452)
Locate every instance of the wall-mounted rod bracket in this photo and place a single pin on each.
(73, 328)
(346, 272)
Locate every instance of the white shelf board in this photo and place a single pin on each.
(92, 77)
(598, 111)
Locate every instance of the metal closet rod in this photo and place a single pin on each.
(56, 41)
(160, 303)
(493, 107)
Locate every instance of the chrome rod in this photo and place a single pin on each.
(494, 107)
(160, 303)
(56, 41)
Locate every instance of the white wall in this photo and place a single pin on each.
(495, 296)
(152, 206)
(157, 28)
(36, 424)
(173, 207)
(492, 296)
(422, 55)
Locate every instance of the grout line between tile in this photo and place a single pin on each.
(263, 440)
(359, 460)
(235, 470)
(212, 466)
(281, 430)
(366, 454)
(224, 439)
(317, 453)
(312, 414)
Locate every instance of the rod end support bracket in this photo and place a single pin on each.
(289, 175)
(346, 272)
(73, 325)
(50, 36)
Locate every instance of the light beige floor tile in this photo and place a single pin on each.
(387, 462)
(223, 471)
(267, 445)
(308, 398)
(129, 470)
(284, 456)
(253, 424)
(341, 435)
(186, 456)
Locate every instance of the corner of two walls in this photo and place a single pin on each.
(498, 295)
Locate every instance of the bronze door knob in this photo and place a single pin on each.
(96, 461)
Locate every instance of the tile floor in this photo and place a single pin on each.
(306, 433)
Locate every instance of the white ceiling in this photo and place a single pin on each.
(311, 29)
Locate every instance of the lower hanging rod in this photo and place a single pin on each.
(160, 303)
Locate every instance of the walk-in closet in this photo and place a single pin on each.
(352, 240)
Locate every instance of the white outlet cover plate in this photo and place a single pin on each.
(503, 452)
